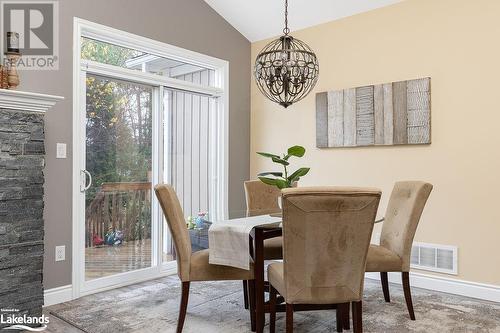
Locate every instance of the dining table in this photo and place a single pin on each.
(259, 228)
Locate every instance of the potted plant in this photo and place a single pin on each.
(283, 179)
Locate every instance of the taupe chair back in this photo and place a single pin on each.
(175, 219)
(326, 232)
(403, 213)
(262, 198)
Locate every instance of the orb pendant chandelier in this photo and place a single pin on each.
(286, 69)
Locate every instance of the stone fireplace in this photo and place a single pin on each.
(22, 160)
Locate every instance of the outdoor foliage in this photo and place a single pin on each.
(282, 179)
(119, 129)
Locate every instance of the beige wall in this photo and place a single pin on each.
(190, 24)
(456, 42)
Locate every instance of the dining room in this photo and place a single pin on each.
(249, 166)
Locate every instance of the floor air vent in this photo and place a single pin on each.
(434, 257)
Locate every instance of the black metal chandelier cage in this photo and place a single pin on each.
(286, 70)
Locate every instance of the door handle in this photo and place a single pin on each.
(83, 186)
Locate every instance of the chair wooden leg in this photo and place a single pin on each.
(385, 286)
(245, 293)
(289, 318)
(272, 312)
(251, 301)
(346, 308)
(357, 315)
(184, 303)
(340, 317)
(407, 291)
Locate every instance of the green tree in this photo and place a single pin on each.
(118, 127)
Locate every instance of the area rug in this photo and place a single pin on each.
(218, 307)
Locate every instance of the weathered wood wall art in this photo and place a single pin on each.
(397, 113)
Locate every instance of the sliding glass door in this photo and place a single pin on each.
(145, 113)
(118, 161)
(126, 152)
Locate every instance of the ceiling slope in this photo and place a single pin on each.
(261, 19)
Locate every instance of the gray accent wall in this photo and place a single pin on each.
(190, 24)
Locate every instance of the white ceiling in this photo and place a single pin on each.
(261, 19)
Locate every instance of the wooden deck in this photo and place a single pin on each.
(108, 260)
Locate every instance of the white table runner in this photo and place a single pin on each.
(228, 240)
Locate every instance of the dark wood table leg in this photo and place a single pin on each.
(251, 291)
(251, 287)
(259, 279)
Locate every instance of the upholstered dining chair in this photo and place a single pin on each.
(192, 266)
(405, 207)
(326, 235)
(263, 199)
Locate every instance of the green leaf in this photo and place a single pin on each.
(298, 151)
(281, 183)
(278, 182)
(297, 174)
(267, 155)
(280, 161)
(268, 181)
(277, 174)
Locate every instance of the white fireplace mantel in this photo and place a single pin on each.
(27, 101)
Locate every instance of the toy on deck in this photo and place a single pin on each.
(98, 241)
(114, 237)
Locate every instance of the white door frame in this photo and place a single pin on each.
(83, 28)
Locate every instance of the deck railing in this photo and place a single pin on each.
(120, 206)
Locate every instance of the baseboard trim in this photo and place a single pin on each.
(481, 291)
(58, 295)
